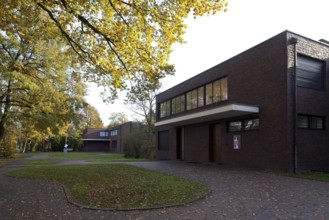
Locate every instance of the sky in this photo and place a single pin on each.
(211, 40)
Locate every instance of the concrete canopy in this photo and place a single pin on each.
(226, 111)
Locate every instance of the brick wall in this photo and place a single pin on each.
(260, 76)
(312, 145)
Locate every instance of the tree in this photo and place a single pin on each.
(117, 118)
(92, 117)
(112, 40)
(142, 98)
(39, 89)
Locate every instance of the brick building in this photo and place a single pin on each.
(265, 108)
(109, 139)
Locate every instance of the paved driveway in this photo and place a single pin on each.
(236, 194)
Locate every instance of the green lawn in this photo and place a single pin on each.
(320, 176)
(118, 186)
(55, 157)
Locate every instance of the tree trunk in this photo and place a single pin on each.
(4, 117)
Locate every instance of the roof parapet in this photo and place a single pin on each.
(324, 41)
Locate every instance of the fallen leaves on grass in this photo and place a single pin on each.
(119, 186)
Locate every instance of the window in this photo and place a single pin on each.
(244, 125)
(317, 123)
(209, 94)
(174, 108)
(235, 126)
(163, 140)
(216, 91)
(310, 73)
(178, 104)
(165, 109)
(192, 99)
(310, 122)
(201, 96)
(114, 132)
(188, 101)
(251, 124)
(104, 134)
(302, 121)
(224, 94)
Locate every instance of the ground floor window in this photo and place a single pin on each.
(243, 125)
(163, 140)
(310, 122)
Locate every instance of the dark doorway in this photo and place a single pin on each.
(114, 144)
(180, 143)
(215, 143)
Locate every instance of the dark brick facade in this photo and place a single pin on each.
(261, 76)
(113, 142)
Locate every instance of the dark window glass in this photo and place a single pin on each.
(310, 122)
(181, 102)
(163, 140)
(173, 106)
(189, 101)
(168, 108)
(244, 125)
(302, 121)
(310, 72)
(235, 126)
(165, 109)
(317, 123)
(251, 124)
(178, 104)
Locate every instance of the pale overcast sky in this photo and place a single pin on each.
(214, 39)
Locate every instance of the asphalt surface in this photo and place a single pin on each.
(236, 194)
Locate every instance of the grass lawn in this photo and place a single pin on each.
(4, 161)
(118, 186)
(320, 176)
(55, 157)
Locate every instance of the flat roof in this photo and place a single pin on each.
(95, 139)
(227, 111)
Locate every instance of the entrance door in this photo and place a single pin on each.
(215, 143)
(180, 143)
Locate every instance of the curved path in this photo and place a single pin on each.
(236, 194)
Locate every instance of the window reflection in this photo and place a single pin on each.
(208, 94)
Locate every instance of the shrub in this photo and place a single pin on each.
(137, 145)
(7, 148)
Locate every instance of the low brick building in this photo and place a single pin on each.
(109, 139)
(266, 108)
